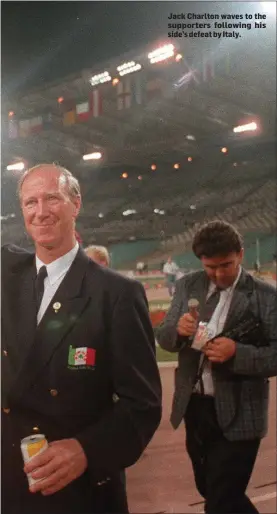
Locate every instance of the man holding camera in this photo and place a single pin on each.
(223, 324)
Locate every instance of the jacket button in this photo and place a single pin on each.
(53, 392)
(7, 411)
(35, 429)
(5, 353)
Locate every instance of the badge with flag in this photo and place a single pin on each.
(81, 357)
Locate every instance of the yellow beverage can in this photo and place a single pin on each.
(30, 447)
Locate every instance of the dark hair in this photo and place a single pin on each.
(216, 238)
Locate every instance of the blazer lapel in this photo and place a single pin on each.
(199, 290)
(240, 300)
(55, 324)
(21, 309)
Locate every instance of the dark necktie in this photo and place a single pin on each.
(39, 285)
(211, 305)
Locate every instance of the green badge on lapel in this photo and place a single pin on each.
(81, 358)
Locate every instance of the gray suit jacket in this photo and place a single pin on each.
(241, 384)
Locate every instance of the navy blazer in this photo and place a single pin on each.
(110, 403)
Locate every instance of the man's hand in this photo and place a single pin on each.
(187, 325)
(60, 464)
(220, 349)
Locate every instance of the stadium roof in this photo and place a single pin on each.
(169, 110)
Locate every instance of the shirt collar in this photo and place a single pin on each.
(212, 286)
(60, 266)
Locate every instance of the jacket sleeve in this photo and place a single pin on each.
(120, 437)
(260, 361)
(167, 335)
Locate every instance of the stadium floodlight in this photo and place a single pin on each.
(161, 54)
(245, 128)
(100, 78)
(17, 166)
(92, 156)
(129, 211)
(100, 215)
(159, 211)
(8, 216)
(128, 67)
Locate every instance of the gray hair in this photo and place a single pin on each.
(94, 251)
(71, 182)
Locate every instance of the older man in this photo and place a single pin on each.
(78, 362)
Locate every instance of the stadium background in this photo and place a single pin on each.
(181, 112)
(150, 135)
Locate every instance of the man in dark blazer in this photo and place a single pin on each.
(222, 391)
(78, 363)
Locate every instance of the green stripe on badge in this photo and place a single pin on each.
(71, 356)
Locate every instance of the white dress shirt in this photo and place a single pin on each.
(215, 326)
(56, 271)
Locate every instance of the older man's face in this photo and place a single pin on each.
(48, 210)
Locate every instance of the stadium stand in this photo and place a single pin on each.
(227, 194)
(154, 211)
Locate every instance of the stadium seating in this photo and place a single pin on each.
(125, 252)
(242, 193)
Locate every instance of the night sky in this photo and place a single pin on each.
(42, 41)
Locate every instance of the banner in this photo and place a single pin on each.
(154, 88)
(12, 129)
(96, 103)
(36, 124)
(89, 107)
(129, 92)
(24, 128)
(136, 89)
(69, 113)
(47, 120)
(123, 93)
(83, 111)
(208, 71)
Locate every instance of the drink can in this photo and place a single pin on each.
(201, 336)
(30, 447)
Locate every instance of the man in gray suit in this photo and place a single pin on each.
(222, 390)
